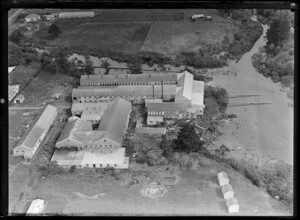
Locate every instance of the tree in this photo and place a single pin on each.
(61, 62)
(135, 68)
(54, 30)
(278, 32)
(16, 36)
(105, 64)
(188, 140)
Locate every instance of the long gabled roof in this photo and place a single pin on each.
(119, 91)
(114, 119)
(74, 126)
(48, 115)
(46, 118)
(128, 78)
(198, 93)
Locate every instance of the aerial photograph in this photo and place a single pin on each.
(150, 112)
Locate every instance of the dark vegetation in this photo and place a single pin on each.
(276, 59)
(54, 30)
(215, 99)
(208, 56)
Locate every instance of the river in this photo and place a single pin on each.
(266, 129)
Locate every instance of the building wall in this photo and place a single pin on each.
(89, 82)
(153, 120)
(84, 99)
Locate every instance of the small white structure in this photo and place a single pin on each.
(232, 205)
(36, 207)
(227, 191)
(223, 178)
(194, 17)
(13, 91)
(32, 18)
(11, 68)
(76, 14)
(19, 99)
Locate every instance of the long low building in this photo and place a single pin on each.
(78, 108)
(100, 94)
(128, 79)
(158, 111)
(76, 14)
(94, 158)
(29, 144)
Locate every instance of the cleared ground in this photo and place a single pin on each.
(196, 193)
(22, 74)
(169, 37)
(46, 84)
(85, 35)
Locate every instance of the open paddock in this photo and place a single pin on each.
(171, 38)
(45, 85)
(85, 35)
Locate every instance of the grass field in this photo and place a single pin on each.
(45, 85)
(22, 74)
(78, 34)
(196, 193)
(170, 37)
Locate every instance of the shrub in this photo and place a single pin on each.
(72, 169)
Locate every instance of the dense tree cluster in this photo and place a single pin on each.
(276, 59)
(219, 95)
(54, 30)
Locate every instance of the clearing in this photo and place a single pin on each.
(85, 35)
(196, 193)
(46, 84)
(169, 37)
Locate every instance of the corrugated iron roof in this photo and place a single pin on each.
(120, 91)
(198, 93)
(114, 119)
(47, 117)
(128, 78)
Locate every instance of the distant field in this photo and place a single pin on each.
(76, 33)
(140, 15)
(173, 37)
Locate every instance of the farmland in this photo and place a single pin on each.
(171, 38)
(78, 34)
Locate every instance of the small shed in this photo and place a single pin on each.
(232, 205)
(19, 99)
(223, 178)
(227, 191)
(36, 207)
(196, 16)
